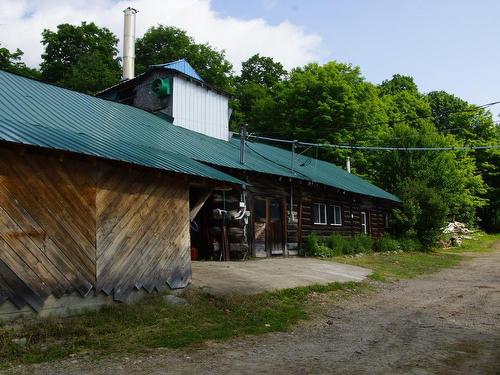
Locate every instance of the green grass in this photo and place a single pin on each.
(390, 266)
(481, 242)
(406, 265)
(152, 324)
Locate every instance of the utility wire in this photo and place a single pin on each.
(373, 148)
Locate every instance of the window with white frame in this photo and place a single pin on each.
(364, 224)
(319, 213)
(387, 220)
(336, 215)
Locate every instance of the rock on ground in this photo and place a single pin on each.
(172, 300)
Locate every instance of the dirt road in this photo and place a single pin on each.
(446, 323)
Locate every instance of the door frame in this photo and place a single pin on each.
(283, 219)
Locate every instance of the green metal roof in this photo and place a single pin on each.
(39, 114)
(318, 171)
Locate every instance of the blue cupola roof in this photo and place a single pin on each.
(181, 66)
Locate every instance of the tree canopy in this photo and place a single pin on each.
(162, 44)
(82, 58)
(333, 103)
(12, 62)
(262, 70)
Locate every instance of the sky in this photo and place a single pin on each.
(445, 45)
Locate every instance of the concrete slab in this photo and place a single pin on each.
(255, 276)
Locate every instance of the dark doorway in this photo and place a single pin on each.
(268, 226)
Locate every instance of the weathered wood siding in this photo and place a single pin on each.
(75, 224)
(142, 231)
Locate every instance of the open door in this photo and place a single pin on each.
(268, 226)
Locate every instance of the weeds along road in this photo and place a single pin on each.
(445, 323)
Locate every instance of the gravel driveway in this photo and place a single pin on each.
(446, 323)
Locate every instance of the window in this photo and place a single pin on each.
(259, 208)
(364, 224)
(336, 215)
(275, 210)
(319, 212)
(387, 220)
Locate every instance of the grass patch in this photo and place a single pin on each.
(152, 323)
(402, 265)
(405, 265)
(480, 242)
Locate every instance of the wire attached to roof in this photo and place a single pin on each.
(373, 148)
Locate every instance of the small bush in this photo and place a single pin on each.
(312, 245)
(339, 244)
(316, 248)
(386, 243)
(324, 251)
(362, 243)
(410, 244)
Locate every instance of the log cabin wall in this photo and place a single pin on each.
(352, 207)
(70, 224)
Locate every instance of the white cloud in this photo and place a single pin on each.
(22, 21)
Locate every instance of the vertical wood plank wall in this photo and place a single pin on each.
(142, 231)
(75, 224)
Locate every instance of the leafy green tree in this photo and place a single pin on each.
(262, 70)
(12, 62)
(474, 126)
(403, 102)
(82, 58)
(398, 83)
(253, 101)
(423, 213)
(162, 44)
(334, 104)
(453, 115)
(452, 174)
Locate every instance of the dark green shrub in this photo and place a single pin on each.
(312, 245)
(315, 247)
(423, 213)
(339, 244)
(324, 251)
(362, 243)
(386, 243)
(410, 244)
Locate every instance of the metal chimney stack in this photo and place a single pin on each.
(129, 44)
(243, 138)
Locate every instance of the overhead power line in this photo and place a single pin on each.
(371, 148)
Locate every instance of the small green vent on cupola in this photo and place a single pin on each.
(162, 87)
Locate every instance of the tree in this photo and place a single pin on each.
(82, 58)
(253, 101)
(453, 174)
(422, 214)
(398, 83)
(334, 104)
(262, 70)
(455, 116)
(12, 62)
(162, 44)
(474, 126)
